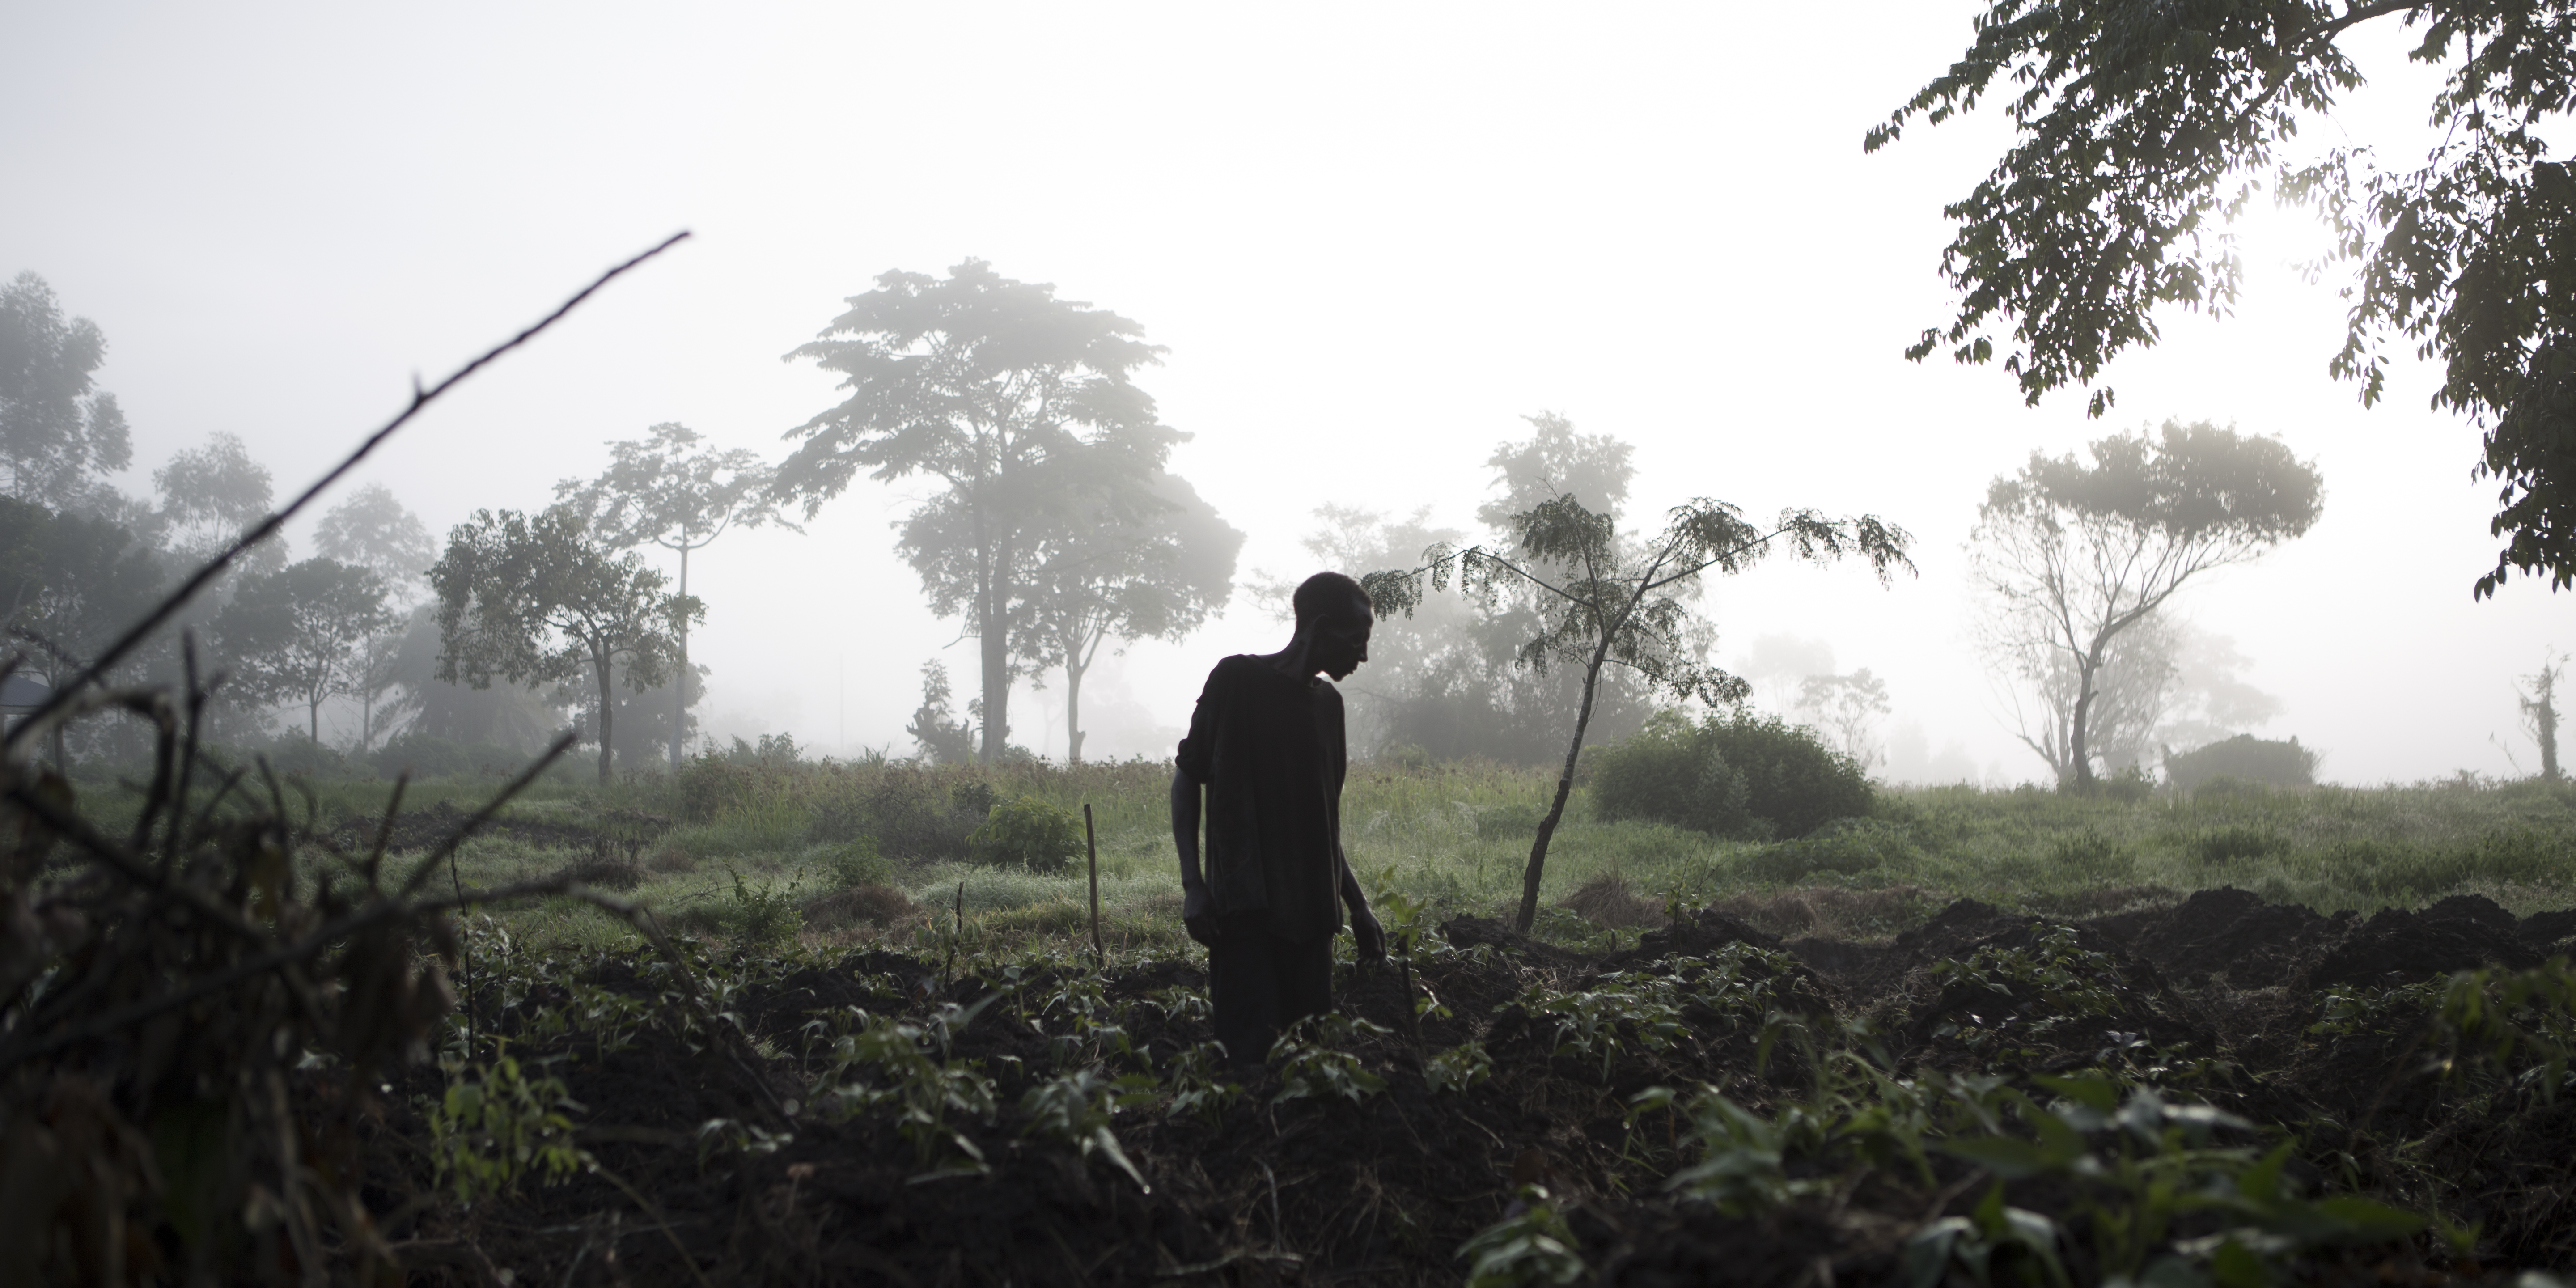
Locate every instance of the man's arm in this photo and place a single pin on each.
(1364, 927)
(1198, 907)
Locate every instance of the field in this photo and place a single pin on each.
(2316, 1036)
(1457, 838)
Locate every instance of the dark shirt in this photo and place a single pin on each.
(1269, 749)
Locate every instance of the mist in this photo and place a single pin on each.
(1369, 244)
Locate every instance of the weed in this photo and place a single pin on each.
(495, 1125)
(765, 916)
(1459, 1069)
(1075, 1108)
(1199, 1088)
(1530, 1245)
(1312, 1066)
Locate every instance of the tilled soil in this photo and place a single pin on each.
(1385, 1189)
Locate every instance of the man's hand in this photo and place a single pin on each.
(1198, 914)
(1371, 936)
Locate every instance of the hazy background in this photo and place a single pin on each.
(1371, 240)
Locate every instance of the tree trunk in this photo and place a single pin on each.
(602, 660)
(680, 679)
(2077, 734)
(1072, 712)
(1564, 788)
(313, 720)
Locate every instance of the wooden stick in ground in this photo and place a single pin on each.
(1092, 843)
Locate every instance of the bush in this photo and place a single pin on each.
(429, 756)
(857, 863)
(908, 812)
(1027, 832)
(2245, 757)
(1739, 776)
(709, 785)
(1845, 846)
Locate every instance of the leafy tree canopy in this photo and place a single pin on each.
(541, 598)
(56, 431)
(2142, 126)
(300, 634)
(1012, 397)
(374, 530)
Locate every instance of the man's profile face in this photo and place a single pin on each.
(1340, 643)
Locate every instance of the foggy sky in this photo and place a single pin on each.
(1371, 239)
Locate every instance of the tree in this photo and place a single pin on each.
(1100, 576)
(542, 598)
(1624, 601)
(300, 634)
(2071, 557)
(57, 432)
(374, 530)
(988, 385)
(2138, 121)
(210, 495)
(2539, 699)
(943, 739)
(1849, 708)
(657, 491)
(69, 583)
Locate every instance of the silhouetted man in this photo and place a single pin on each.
(1266, 742)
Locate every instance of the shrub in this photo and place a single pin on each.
(709, 785)
(429, 756)
(857, 862)
(2235, 844)
(1027, 832)
(907, 809)
(1845, 846)
(1738, 776)
(2246, 757)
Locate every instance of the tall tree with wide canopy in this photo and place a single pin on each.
(666, 489)
(1101, 575)
(542, 598)
(300, 634)
(1624, 601)
(2071, 556)
(210, 495)
(57, 432)
(985, 384)
(2143, 125)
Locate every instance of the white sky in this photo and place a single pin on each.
(1371, 236)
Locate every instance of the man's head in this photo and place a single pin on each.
(1334, 616)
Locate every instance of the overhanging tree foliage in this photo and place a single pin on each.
(988, 385)
(1625, 602)
(2143, 125)
(657, 490)
(2074, 556)
(542, 598)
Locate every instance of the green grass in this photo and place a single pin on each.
(1458, 837)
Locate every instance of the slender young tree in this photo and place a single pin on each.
(541, 598)
(658, 490)
(2071, 556)
(985, 384)
(1624, 602)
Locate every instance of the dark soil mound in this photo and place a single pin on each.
(1705, 932)
(2400, 947)
(1877, 969)
(2547, 933)
(2229, 935)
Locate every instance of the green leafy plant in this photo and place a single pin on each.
(1198, 1085)
(1312, 1066)
(1532, 1245)
(1618, 1014)
(495, 1126)
(1075, 1108)
(857, 862)
(763, 916)
(922, 1088)
(1460, 1068)
(1027, 832)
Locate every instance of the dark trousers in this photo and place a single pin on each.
(1260, 984)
